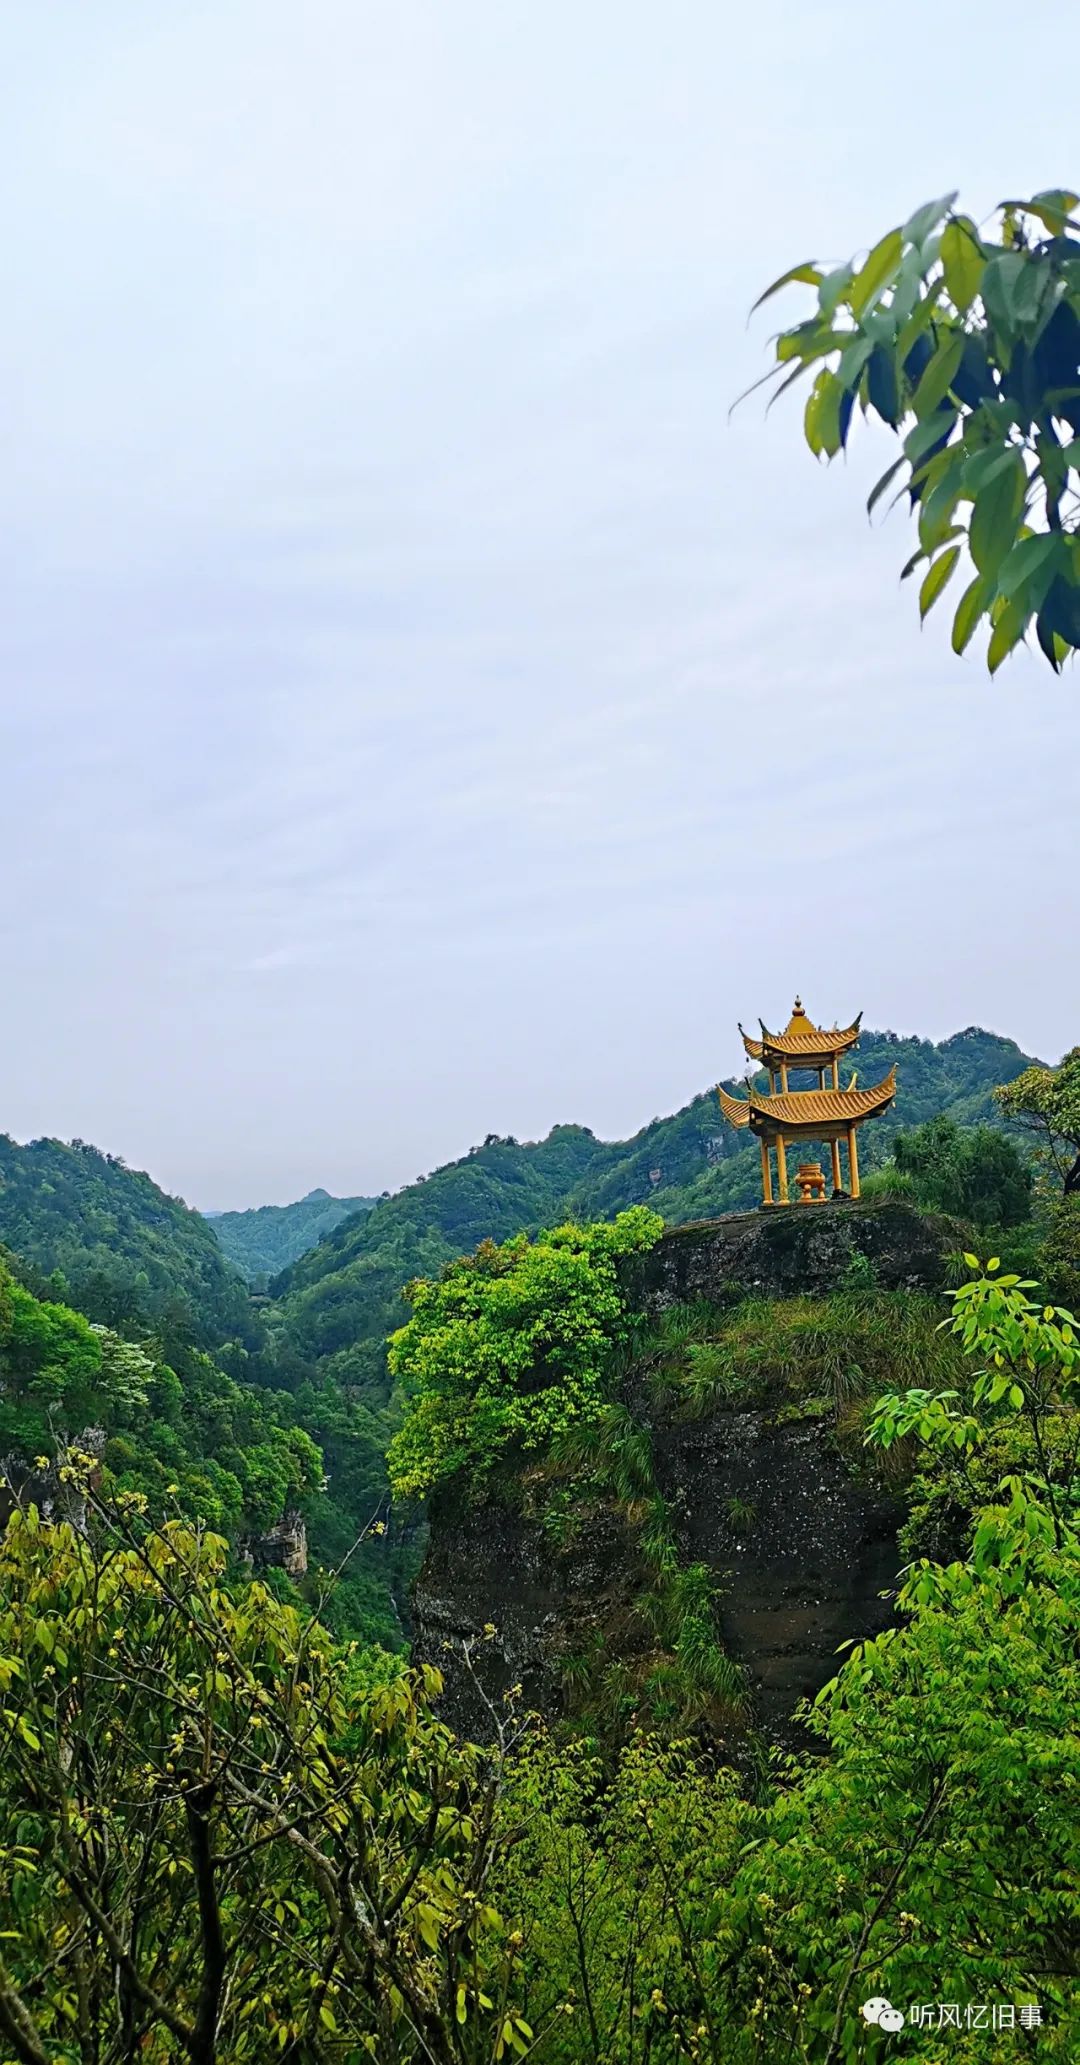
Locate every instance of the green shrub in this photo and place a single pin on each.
(511, 1344)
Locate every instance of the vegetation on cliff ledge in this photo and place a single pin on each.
(510, 1345)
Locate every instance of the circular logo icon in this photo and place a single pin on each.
(881, 2014)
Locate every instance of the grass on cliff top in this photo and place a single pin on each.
(772, 1351)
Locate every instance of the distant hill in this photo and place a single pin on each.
(115, 1246)
(343, 1296)
(338, 1302)
(263, 1241)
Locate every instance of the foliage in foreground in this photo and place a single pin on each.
(510, 1344)
(221, 1841)
(966, 343)
(216, 1843)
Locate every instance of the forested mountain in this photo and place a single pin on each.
(105, 1239)
(115, 1245)
(188, 1436)
(262, 1242)
(338, 1302)
(344, 1296)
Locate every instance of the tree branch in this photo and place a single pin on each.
(204, 2034)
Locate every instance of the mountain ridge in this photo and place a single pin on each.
(114, 1244)
(265, 1239)
(338, 1302)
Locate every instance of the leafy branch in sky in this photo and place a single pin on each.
(965, 341)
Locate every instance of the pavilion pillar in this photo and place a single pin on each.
(835, 1073)
(853, 1161)
(781, 1168)
(766, 1172)
(783, 1077)
(837, 1173)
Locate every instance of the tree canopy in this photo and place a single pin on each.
(216, 1449)
(975, 1172)
(509, 1345)
(1045, 1102)
(116, 1246)
(964, 339)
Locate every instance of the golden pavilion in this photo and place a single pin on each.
(787, 1117)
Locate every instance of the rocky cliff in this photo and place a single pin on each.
(781, 1253)
(768, 1497)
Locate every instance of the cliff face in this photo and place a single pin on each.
(801, 1547)
(801, 1541)
(801, 1550)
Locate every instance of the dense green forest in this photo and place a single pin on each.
(98, 1236)
(228, 1838)
(262, 1242)
(115, 1245)
(180, 1432)
(327, 1328)
(196, 1769)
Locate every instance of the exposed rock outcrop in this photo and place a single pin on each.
(282, 1547)
(54, 1495)
(777, 1253)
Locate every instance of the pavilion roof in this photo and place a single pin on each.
(802, 1041)
(808, 1111)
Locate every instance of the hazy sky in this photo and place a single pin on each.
(424, 713)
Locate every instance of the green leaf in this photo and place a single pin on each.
(852, 360)
(882, 384)
(918, 226)
(920, 441)
(832, 289)
(941, 492)
(939, 575)
(971, 607)
(807, 272)
(813, 340)
(1052, 207)
(938, 377)
(996, 516)
(1007, 632)
(963, 261)
(822, 418)
(922, 315)
(789, 380)
(981, 468)
(881, 266)
(880, 486)
(1024, 562)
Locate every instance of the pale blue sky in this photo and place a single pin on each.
(425, 714)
